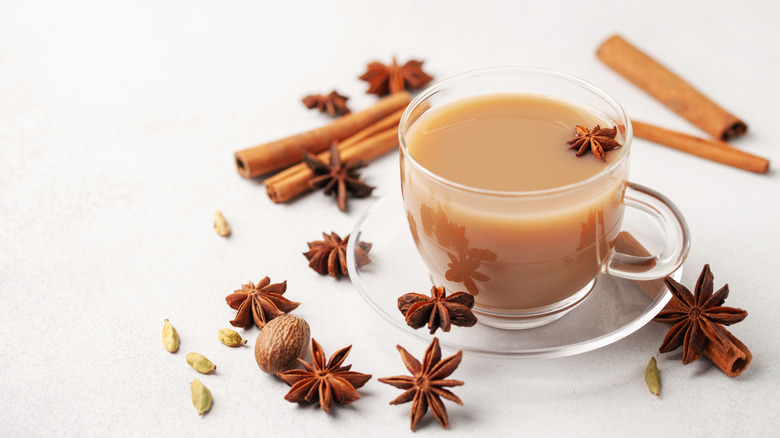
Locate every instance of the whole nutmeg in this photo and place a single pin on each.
(281, 342)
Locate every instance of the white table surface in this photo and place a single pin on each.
(118, 123)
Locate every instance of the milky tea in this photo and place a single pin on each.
(487, 208)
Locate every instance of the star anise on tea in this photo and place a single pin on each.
(393, 78)
(326, 382)
(463, 268)
(427, 384)
(599, 140)
(437, 310)
(329, 256)
(337, 178)
(259, 303)
(334, 104)
(698, 317)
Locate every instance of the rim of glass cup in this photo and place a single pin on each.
(625, 147)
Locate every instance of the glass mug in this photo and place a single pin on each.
(528, 257)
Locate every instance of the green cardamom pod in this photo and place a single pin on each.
(201, 396)
(221, 225)
(231, 338)
(200, 363)
(653, 377)
(170, 337)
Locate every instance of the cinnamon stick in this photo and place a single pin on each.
(296, 182)
(733, 360)
(670, 89)
(388, 122)
(627, 244)
(259, 160)
(713, 150)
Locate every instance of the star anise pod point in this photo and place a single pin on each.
(393, 78)
(437, 310)
(259, 303)
(698, 317)
(337, 177)
(324, 382)
(599, 140)
(427, 384)
(334, 103)
(329, 255)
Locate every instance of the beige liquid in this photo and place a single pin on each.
(513, 252)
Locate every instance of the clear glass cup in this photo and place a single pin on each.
(521, 280)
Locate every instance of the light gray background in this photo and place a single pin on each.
(118, 121)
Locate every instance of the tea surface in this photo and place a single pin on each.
(505, 142)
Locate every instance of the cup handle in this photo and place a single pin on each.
(675, 233)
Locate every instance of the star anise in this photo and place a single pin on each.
(599, 141)
(324, 382)
(329, 256)
(337, 178)
(697, 317)
(426, 384)
(384, 79)
(334, 104)
(438, 310)
(259, 304)
(463, 268)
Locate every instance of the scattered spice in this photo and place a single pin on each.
(259, 304)
(669, 89)
(653, 377)
(337, 178)
(368, 144)
(329, 256)
(697, 317)
(221, 225)
(285, 152)
(384, 79)
(426, 384)
(201, 396)
(438, 310)
(715, 150)
(334, 104)
(170, 337)
(599, 141)
(324, 382)
(200, 363)
(230, 337)
(281, 343)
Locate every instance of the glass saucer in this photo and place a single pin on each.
(615, 308)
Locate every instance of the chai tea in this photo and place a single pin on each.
(499, 206)
(505, 142)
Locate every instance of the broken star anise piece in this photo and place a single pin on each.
(427, 384)
(329, 256)
(259, 304)
(599, 141)
(697, 317)
(337, 178)
(334, 104)
(324, 382)
(393, 78)
(438, 310)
